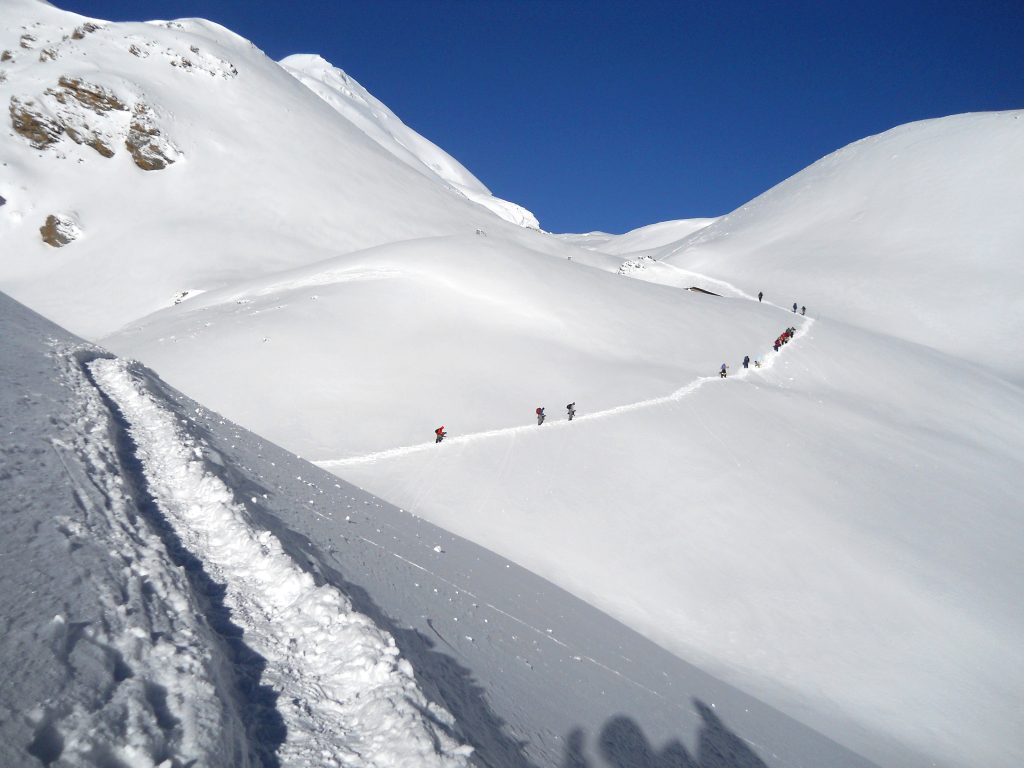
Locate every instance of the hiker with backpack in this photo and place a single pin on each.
(441, 434)
(571, 409)
(722, 372)
(540, 416)
(746, 361)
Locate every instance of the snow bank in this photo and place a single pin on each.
(345, 695)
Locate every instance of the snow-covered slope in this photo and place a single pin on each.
(838, 530)
(639, 241)
(147, 620)
(378, 122)
(169, 152)
(915, 233)
(189, 587)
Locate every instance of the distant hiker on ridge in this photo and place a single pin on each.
(722, 372)
(540, 416)
(794, 307)
(571, 408)
(803, 310)
(760, 295)
(441, 434)
(746, 361)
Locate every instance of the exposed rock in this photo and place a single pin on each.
(59, 230)
(26, 41)
(85, 29)
(3, 200)
(40, 130)
(48, 54)
(134, 50)
(6, 56)
(150, 150)
(94, 97)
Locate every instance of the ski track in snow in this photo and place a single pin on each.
(346, 697)
(768, 362)
(150, 622)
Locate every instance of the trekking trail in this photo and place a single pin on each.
(804, 323)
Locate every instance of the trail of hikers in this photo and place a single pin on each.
(790, 333)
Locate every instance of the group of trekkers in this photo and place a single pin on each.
(570, 412)
(784, 337)
(723, 372)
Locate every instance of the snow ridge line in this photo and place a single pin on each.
(679, 394)
(345, 695)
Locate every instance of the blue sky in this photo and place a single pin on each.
(611, 115)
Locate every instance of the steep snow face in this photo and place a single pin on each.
(378, 122)
(915, 233)
(175, 156)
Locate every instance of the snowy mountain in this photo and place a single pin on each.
(835, 530)
(378, 122)
(175, 142)
(912, 233)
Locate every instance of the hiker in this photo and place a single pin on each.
(746, 361)
(757, 363)
(776, 345)
(441, 434)
(540, 416)
(760, 295)
(803, 311)
(722, 372)
(571, 408)
(794, 307)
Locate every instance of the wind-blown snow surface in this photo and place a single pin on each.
(152, 635)
(265, 176)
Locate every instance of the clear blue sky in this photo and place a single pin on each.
(611, 115)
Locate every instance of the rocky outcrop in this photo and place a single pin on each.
(29, 121)
(59, 230)
(93, 97)
(91, 115)
(150, 150)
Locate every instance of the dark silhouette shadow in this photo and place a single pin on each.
(622, 744)
(265, 728)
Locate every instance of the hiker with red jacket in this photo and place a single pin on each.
(441, 434)
(540, 416)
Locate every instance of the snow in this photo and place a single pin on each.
(912, 233)
(344, 695)
(242, 198)
(837, 533)
(378, 122)
(469, 621)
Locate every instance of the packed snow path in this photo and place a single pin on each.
(767, 362)
(345, 696)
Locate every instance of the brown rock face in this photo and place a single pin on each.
(58, 231)
(39, 130)
(144, 142)
(94, 97)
